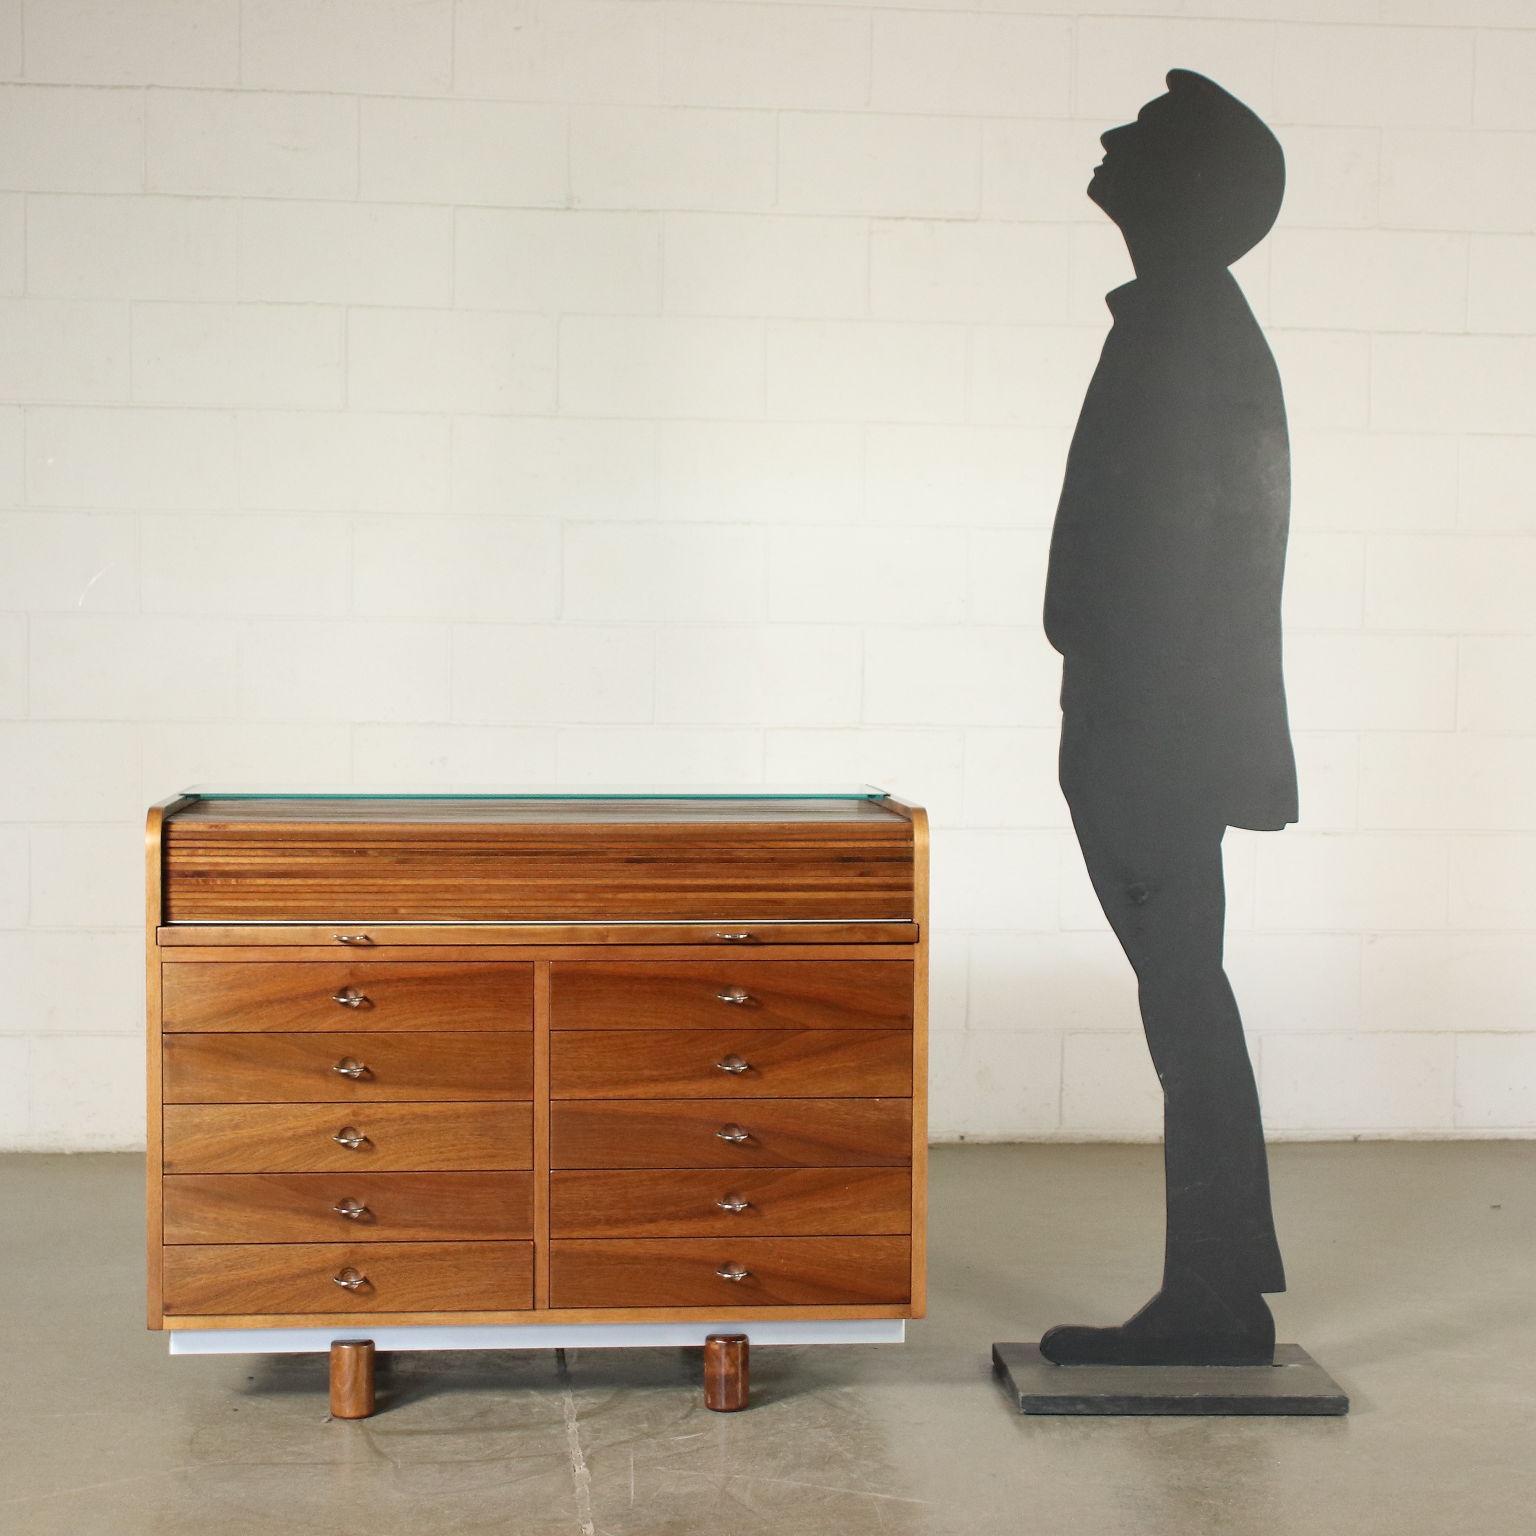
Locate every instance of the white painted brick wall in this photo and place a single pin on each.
(676, 391)
(238, 143)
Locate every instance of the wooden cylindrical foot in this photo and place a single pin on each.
(725, 1372)
(352, 1378)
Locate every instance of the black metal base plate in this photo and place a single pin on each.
(1294, 1384)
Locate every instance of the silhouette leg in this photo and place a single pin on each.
(1220, 1225)
(1156, 867)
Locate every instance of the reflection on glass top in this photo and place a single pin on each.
(541, 792)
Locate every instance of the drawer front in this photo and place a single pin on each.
(757, 1202)
(318, 1138)
(736, 1063)
(346, 1207)
(360, 995)
(686, 1272)
(246, 1278)
(300, 1068)
(711, 994)
(726, 1133)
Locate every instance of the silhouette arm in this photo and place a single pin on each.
(1172, 518)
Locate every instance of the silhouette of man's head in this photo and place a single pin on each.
(1197, 176)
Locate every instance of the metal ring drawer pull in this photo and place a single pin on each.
(733, 1203)
(350, 997)
(735, 995)
(352, 938)
(734, 1065)
(733, 1133)
(733, 1272)
(353, 1210)
(733, 938)
(349, 1136)
(350, 1279)
(350, 1067)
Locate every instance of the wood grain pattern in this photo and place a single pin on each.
(298, 1138)
(727, 1372)
(541, 1135)
(154, 831)
(303, 1207)
(298, 1277)
(730, 1063)
(469, 1317)
(683, 1202)
(472, 942)
(922, 962)
(658, 1133)
(352, 1378)
(300, 1068)
(370, 863)
(686, 994)
(839, 1007)
(241, 995)
(684, 1272)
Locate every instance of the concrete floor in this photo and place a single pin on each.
(1413, 1272)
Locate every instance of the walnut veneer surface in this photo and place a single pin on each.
(498, 1059)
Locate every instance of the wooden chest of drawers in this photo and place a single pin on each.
(561, 1060)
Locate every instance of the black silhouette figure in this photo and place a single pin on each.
(1164, 600)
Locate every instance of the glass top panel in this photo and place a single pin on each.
(539, 792)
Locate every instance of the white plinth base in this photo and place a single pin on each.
(299, 1341)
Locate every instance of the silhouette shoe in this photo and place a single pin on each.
(1184, 1327)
